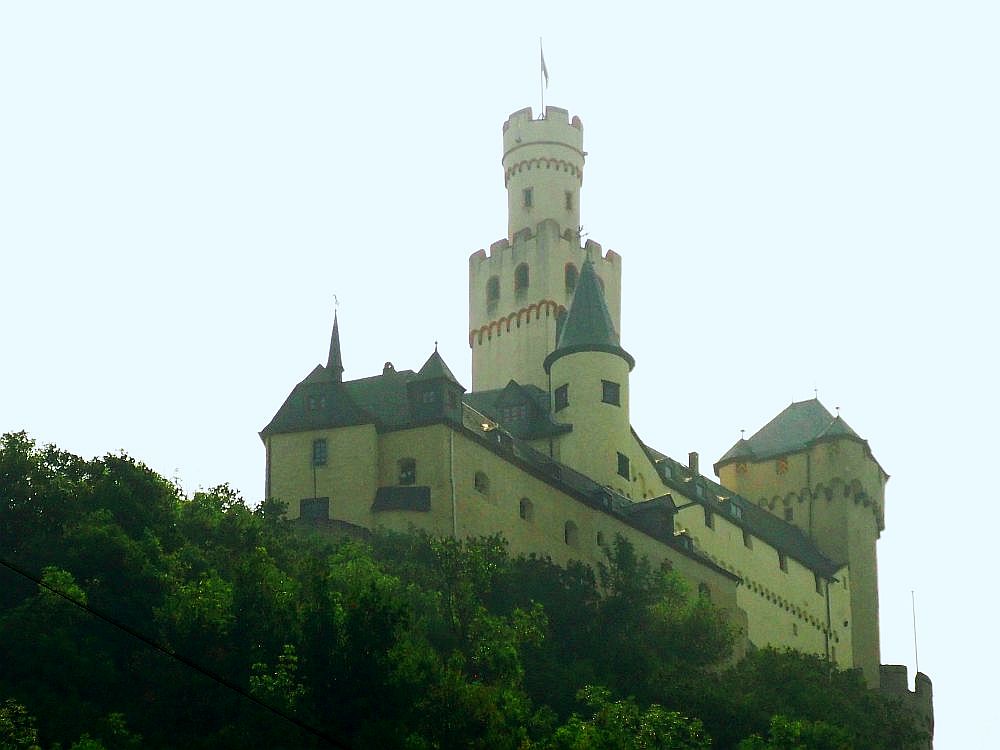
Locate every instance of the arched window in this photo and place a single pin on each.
(493, 290)
(521, 280)
(571, 276)
(482, 482)
(570, 534)
(526, 510)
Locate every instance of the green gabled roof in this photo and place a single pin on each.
(793, 430)
(776, 532)
(320, 401)
(385, 396)
(436, 369)
(738, 451)
(588, 326)
(538, 421)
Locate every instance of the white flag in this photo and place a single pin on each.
(545, 69)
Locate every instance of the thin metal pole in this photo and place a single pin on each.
(913, 607)
(541, 75)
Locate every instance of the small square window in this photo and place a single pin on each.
(481, 482)
(428, 397)
(526, 509)
(319, 452)
(562, 397)
(623, 466)
(528, 197)
(611, 392)
(407, 471)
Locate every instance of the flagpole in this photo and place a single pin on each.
(541, 77)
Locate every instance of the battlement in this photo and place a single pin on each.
(919, 701)
(526, 236)
(555, 128)
(552, 114)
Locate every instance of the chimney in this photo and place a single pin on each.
(693, 462)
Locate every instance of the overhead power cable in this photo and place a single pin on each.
(214, 676)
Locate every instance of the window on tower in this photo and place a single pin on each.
(569, 200)
(623, 466)
(561, 400)
(571, 276)
(611, 393)
(528, 197)
(493, 291)
(521, 280)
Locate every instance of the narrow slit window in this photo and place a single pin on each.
(623, 466)
(561, 400)
(529, 197)
(521, 279)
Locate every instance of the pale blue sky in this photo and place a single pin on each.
(804, 195)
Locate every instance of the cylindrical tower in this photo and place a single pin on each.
(543, 169)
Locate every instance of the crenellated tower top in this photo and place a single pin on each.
(543, 169)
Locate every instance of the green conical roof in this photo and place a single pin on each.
(588, 326)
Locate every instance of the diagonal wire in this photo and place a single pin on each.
(214, 676)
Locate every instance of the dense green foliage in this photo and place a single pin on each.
(397, 641)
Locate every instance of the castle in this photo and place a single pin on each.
(542, 449)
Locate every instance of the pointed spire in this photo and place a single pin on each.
(334, 363)
(588, 325)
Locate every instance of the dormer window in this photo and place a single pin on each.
(516, 413)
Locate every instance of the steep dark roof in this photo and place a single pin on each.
(794, 429)
(762, 524)
(436, 369)
(588, 326)
(334, 361)
(537, 422)
(321, 400)
(318, 402)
